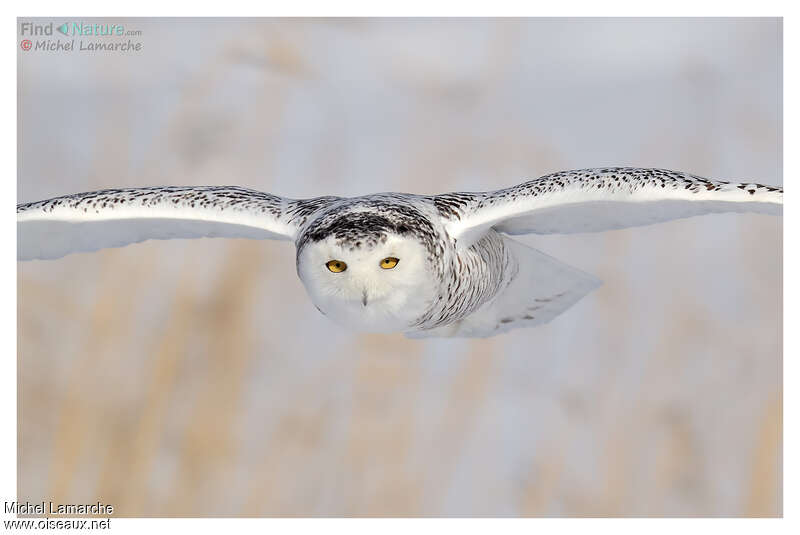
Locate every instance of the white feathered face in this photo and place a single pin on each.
(378, 286)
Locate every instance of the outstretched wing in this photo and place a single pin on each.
(116, 217)
(594, 200)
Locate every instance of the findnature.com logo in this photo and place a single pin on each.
(82, 36)
(75, 28)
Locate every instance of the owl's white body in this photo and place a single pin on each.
(454, 271)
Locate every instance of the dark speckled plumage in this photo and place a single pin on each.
(362, 222)
(222, 198)
(613, 179)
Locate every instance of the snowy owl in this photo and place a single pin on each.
(424, 265)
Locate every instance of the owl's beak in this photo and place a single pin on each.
(364, 298)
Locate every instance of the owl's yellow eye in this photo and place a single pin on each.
(389, 262)
(337, 266)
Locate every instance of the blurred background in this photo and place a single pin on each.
(195, 378)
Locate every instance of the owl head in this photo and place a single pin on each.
(368, 268)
